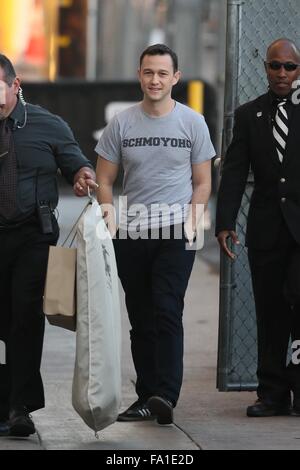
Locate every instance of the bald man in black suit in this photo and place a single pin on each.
(266, 137)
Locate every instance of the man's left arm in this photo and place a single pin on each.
(201, 180)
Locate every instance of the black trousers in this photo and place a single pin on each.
(154, 275)
(277, 319)
(24, 256)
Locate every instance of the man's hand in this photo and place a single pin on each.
(189, 231)
(222, 239)
(85, 178)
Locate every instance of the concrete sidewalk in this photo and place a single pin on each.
(204, 417)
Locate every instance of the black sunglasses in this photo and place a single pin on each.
(288, 66)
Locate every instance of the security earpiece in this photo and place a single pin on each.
(21, 97)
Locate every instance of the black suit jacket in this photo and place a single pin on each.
(276, 192)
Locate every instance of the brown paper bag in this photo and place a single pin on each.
(59, 295)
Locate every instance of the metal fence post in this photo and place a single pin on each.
(231, 75)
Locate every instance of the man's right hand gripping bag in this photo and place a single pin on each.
(96, 393)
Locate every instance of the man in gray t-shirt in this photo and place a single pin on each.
(157, 153)
(165, 150)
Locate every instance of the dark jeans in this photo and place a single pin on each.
(277, 320)
(24, 256)
(154, 275)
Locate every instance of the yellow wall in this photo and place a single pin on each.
(13, 26)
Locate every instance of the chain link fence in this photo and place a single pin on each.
(251, 27)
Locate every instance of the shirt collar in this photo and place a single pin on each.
(18, 113)
(275, 99)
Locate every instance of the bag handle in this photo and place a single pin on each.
(72, 232)
(74, 228)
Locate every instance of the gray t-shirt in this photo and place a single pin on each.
(157, 154)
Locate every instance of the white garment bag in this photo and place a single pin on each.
(96, 393)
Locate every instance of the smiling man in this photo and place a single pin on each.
(266, 137)
(165, 150)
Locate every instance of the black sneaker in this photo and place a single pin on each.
(162, 408)
(20, 422)
(138, 411)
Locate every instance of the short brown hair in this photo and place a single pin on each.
(160, 49)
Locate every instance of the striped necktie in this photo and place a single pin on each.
(280, 129)
(8, 172)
